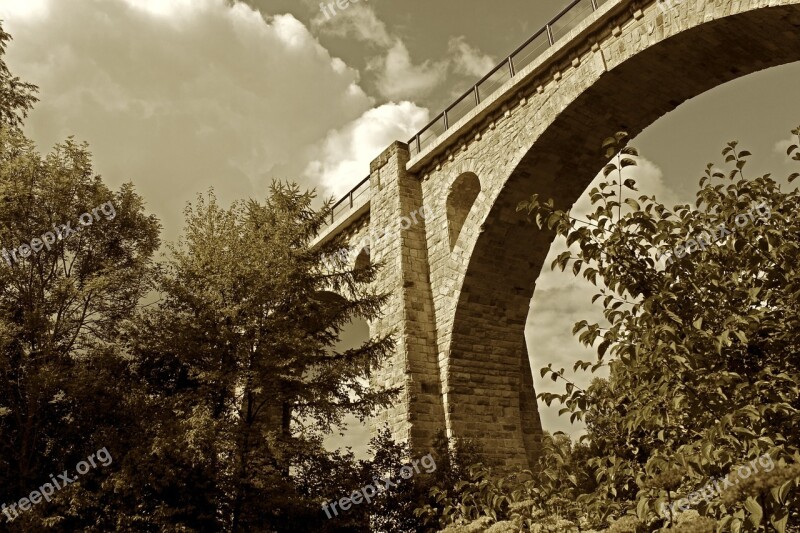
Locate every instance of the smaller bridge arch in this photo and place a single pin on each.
(460, 199)
(363, 258)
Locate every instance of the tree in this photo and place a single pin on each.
(240, 355)
(16, 97)
(63, 296)
(705, 369)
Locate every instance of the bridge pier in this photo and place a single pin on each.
(486, 395)
(418, 413)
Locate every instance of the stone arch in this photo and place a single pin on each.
(549, 145)
(329, 297)
(462, 196)
(363, 259)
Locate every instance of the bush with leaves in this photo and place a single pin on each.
(703, 357)
(543, 498)
(705, 350)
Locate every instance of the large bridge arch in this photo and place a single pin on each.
(459, 312)
(641, 69)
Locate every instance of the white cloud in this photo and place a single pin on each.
(781, 147)
(344, 157)
(357, 21)
(468, 59)
(399, 77)
(167, 8)
(180, 96)
(23, 9)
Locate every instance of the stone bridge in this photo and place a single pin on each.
(461, 278)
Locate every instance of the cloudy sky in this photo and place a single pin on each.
(181, 95)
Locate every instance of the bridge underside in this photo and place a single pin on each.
(508, 255)
(459, 306)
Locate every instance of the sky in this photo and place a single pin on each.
(181, 95)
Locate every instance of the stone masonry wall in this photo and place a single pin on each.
(459, 315)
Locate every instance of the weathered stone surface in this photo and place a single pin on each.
(460, 299)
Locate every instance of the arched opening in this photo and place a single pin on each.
(355, 434)
(363, 258)
(463, 193)
(559, 161)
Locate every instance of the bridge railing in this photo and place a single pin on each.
(346, 203)
(570, 17)
(558, 27)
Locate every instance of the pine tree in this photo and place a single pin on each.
(242, 350)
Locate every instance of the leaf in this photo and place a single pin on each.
(603, 347)
(633, 203)
(578, 326)
(641, 509)
(609, 141)
(756, 513)
(783, 491)
(780, 523)
(793, 177)
(791, 149)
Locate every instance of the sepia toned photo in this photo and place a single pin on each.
(454, 266)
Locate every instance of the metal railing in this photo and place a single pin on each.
(569, 18)
(346, 203)
(558, 27)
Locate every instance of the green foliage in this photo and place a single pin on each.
(213, 400)
(240, 360)
(705, 363)
(16, 97)
(61, 312)
(542, 499)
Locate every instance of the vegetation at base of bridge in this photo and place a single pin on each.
(703, 356)
(215, 398)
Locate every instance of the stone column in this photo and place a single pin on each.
(397, 226)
